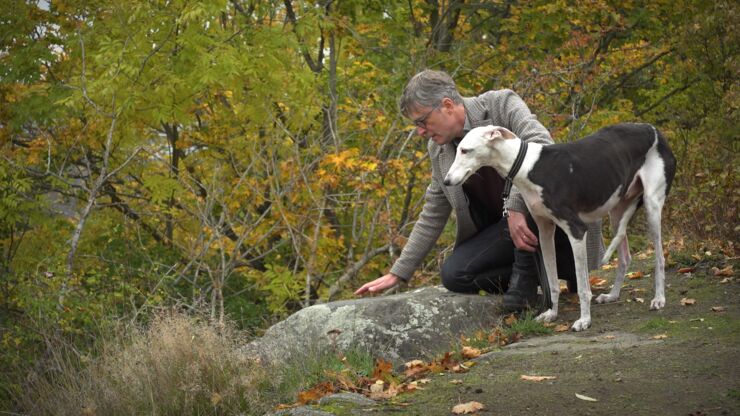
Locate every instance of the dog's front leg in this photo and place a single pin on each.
(584, 286)
(547, 244)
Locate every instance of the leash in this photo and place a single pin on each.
(510, 176)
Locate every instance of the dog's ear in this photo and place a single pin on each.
(505, 133)
(492, 133)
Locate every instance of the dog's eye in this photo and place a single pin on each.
(464, 150)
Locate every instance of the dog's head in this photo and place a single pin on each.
(480, 147)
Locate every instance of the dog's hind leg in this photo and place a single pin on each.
(653, 208)
(621, 214)
(584, 286)
(547, 243)
(619, 217)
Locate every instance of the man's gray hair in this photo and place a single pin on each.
(427, 89)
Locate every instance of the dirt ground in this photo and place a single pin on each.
(682, 360)
(693, 370)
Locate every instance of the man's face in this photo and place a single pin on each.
(437, 123)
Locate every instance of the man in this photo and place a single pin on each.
(492, 252)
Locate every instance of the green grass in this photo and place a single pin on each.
(526, 325)
(314, 367)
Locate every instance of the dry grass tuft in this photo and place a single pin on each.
(178, 366)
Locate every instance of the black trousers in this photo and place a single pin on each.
(487, 260)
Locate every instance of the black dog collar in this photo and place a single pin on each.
(514, 170)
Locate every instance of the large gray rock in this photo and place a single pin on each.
(399, 328)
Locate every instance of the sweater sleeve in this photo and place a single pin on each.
(427, 229)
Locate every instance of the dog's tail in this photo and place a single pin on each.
(669, 160)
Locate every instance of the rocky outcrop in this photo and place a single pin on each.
(399, 328)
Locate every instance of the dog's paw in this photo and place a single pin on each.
(547, 316)
(581, 324)
(606, 298)
(657, 303)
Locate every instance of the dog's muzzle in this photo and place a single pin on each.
(451, 182)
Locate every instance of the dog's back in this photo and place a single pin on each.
(590, 170)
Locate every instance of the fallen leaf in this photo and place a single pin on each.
(642, 255)
(413, 386)
(609, 337)
(687, 269)
(510, 319)
(383, 369)
(726, 272)
(315, 393)
(635, 275)
(586, 398)
(414, 363)
(415, 367)
(391, 392)
(688, 301)
(456, 381)
(596, 281)
(536, 378)
(718, 309)
(216, 399)
(562, 328)
(640, 300)
(660, 336)
(462, 367)
(726, 280)
(469, 407)
(470, 352)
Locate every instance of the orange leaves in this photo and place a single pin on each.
(467, 408)
(688, 301)
(562, 328)
(315, 393)
(415, 368)
(597, 282)
(635, 275)
(383, 370)
(536, 378)
(470, 352)
(352, 170)
(384, 383)
(725, 272)
(510, 319)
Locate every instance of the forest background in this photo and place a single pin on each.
(247, 158)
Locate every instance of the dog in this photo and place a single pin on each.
(612, 171)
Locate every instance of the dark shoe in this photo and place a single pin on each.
(522, 293)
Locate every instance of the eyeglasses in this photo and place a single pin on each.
(422, 121)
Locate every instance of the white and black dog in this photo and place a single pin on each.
(612, 172)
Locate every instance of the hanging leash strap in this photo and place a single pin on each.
(514, 170)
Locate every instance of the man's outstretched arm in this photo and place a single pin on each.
(379, 284)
